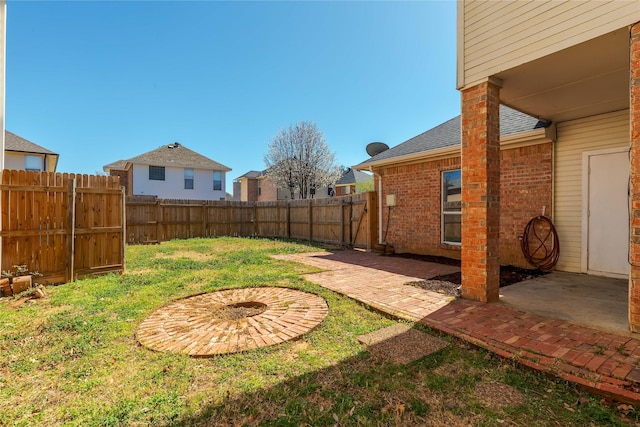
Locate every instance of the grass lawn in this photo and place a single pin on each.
(72, 359)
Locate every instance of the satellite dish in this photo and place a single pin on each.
(376, 148)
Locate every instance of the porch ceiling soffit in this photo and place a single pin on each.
(584, 80)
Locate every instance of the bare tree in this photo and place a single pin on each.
(299, 160)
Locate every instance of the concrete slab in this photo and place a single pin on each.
(598, 302)
(401, 344)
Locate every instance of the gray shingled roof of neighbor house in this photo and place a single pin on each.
(251, 174)
(448, 134)
(117, 165)
(172, 155)
(13, 142)
(353, 176)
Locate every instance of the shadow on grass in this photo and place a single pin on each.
(437, 390)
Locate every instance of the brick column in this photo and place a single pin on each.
(481, 192)
(634, 251)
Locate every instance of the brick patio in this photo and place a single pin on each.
(603, 362)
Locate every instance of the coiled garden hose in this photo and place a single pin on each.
(540, 244)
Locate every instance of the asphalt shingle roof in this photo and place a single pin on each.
(172, 155)
(448, 134)
(117, 165)
(13, 142)
(251, 174)
(353, 176)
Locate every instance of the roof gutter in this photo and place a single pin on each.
(438, 152)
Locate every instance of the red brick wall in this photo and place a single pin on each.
(634, 290)
(268, 191)
(124, 180)
(525, 187)
(252, 190)
(415, 226)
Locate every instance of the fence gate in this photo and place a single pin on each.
(64, 226)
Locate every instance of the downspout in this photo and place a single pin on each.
(380, 209)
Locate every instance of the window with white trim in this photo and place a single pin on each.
(188, 179)
(156, 173)
(217, 180)
(451, 207)
(33, 163)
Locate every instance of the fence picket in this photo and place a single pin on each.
(341, 220)
(37, 215)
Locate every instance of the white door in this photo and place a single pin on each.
(608, 214)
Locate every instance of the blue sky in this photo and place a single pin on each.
(102, 81)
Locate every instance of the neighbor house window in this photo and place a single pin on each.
(156, 173)
(188, 179)
(217, 180)
(451, 207)
(259, 187)
(33, 163)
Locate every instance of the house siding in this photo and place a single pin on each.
(575, 137)
(16, 161)
(414, 227)
(495, 36)
(173, 185)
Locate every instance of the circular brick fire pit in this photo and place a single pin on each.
(232, 320)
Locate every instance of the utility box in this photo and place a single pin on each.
(391, 199)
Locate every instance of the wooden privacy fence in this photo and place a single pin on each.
(346, 220)
(64, 226)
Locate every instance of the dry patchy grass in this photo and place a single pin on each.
(72, 359)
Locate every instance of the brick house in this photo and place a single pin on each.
(171, 172)
(255, 186)
(419, 182)
(576, 65)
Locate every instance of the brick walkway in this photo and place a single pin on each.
(231, 320)
(378, 281)
(603, 362)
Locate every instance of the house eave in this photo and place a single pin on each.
(420, 155)
(520, 139)
(530, 137)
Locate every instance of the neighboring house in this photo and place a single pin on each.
(422, 177)
(21, 154)
(353, 181)
(576, 65)
(255, 186)
(171, 172)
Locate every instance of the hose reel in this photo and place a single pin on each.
(540, 244)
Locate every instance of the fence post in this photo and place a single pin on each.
(71, 227)
(310, 220)
(350, 220)
(372, 219)
(341, 222)
(124, 229)
(288, 215)
(204, 219)
(255, 219)
(158, 220)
